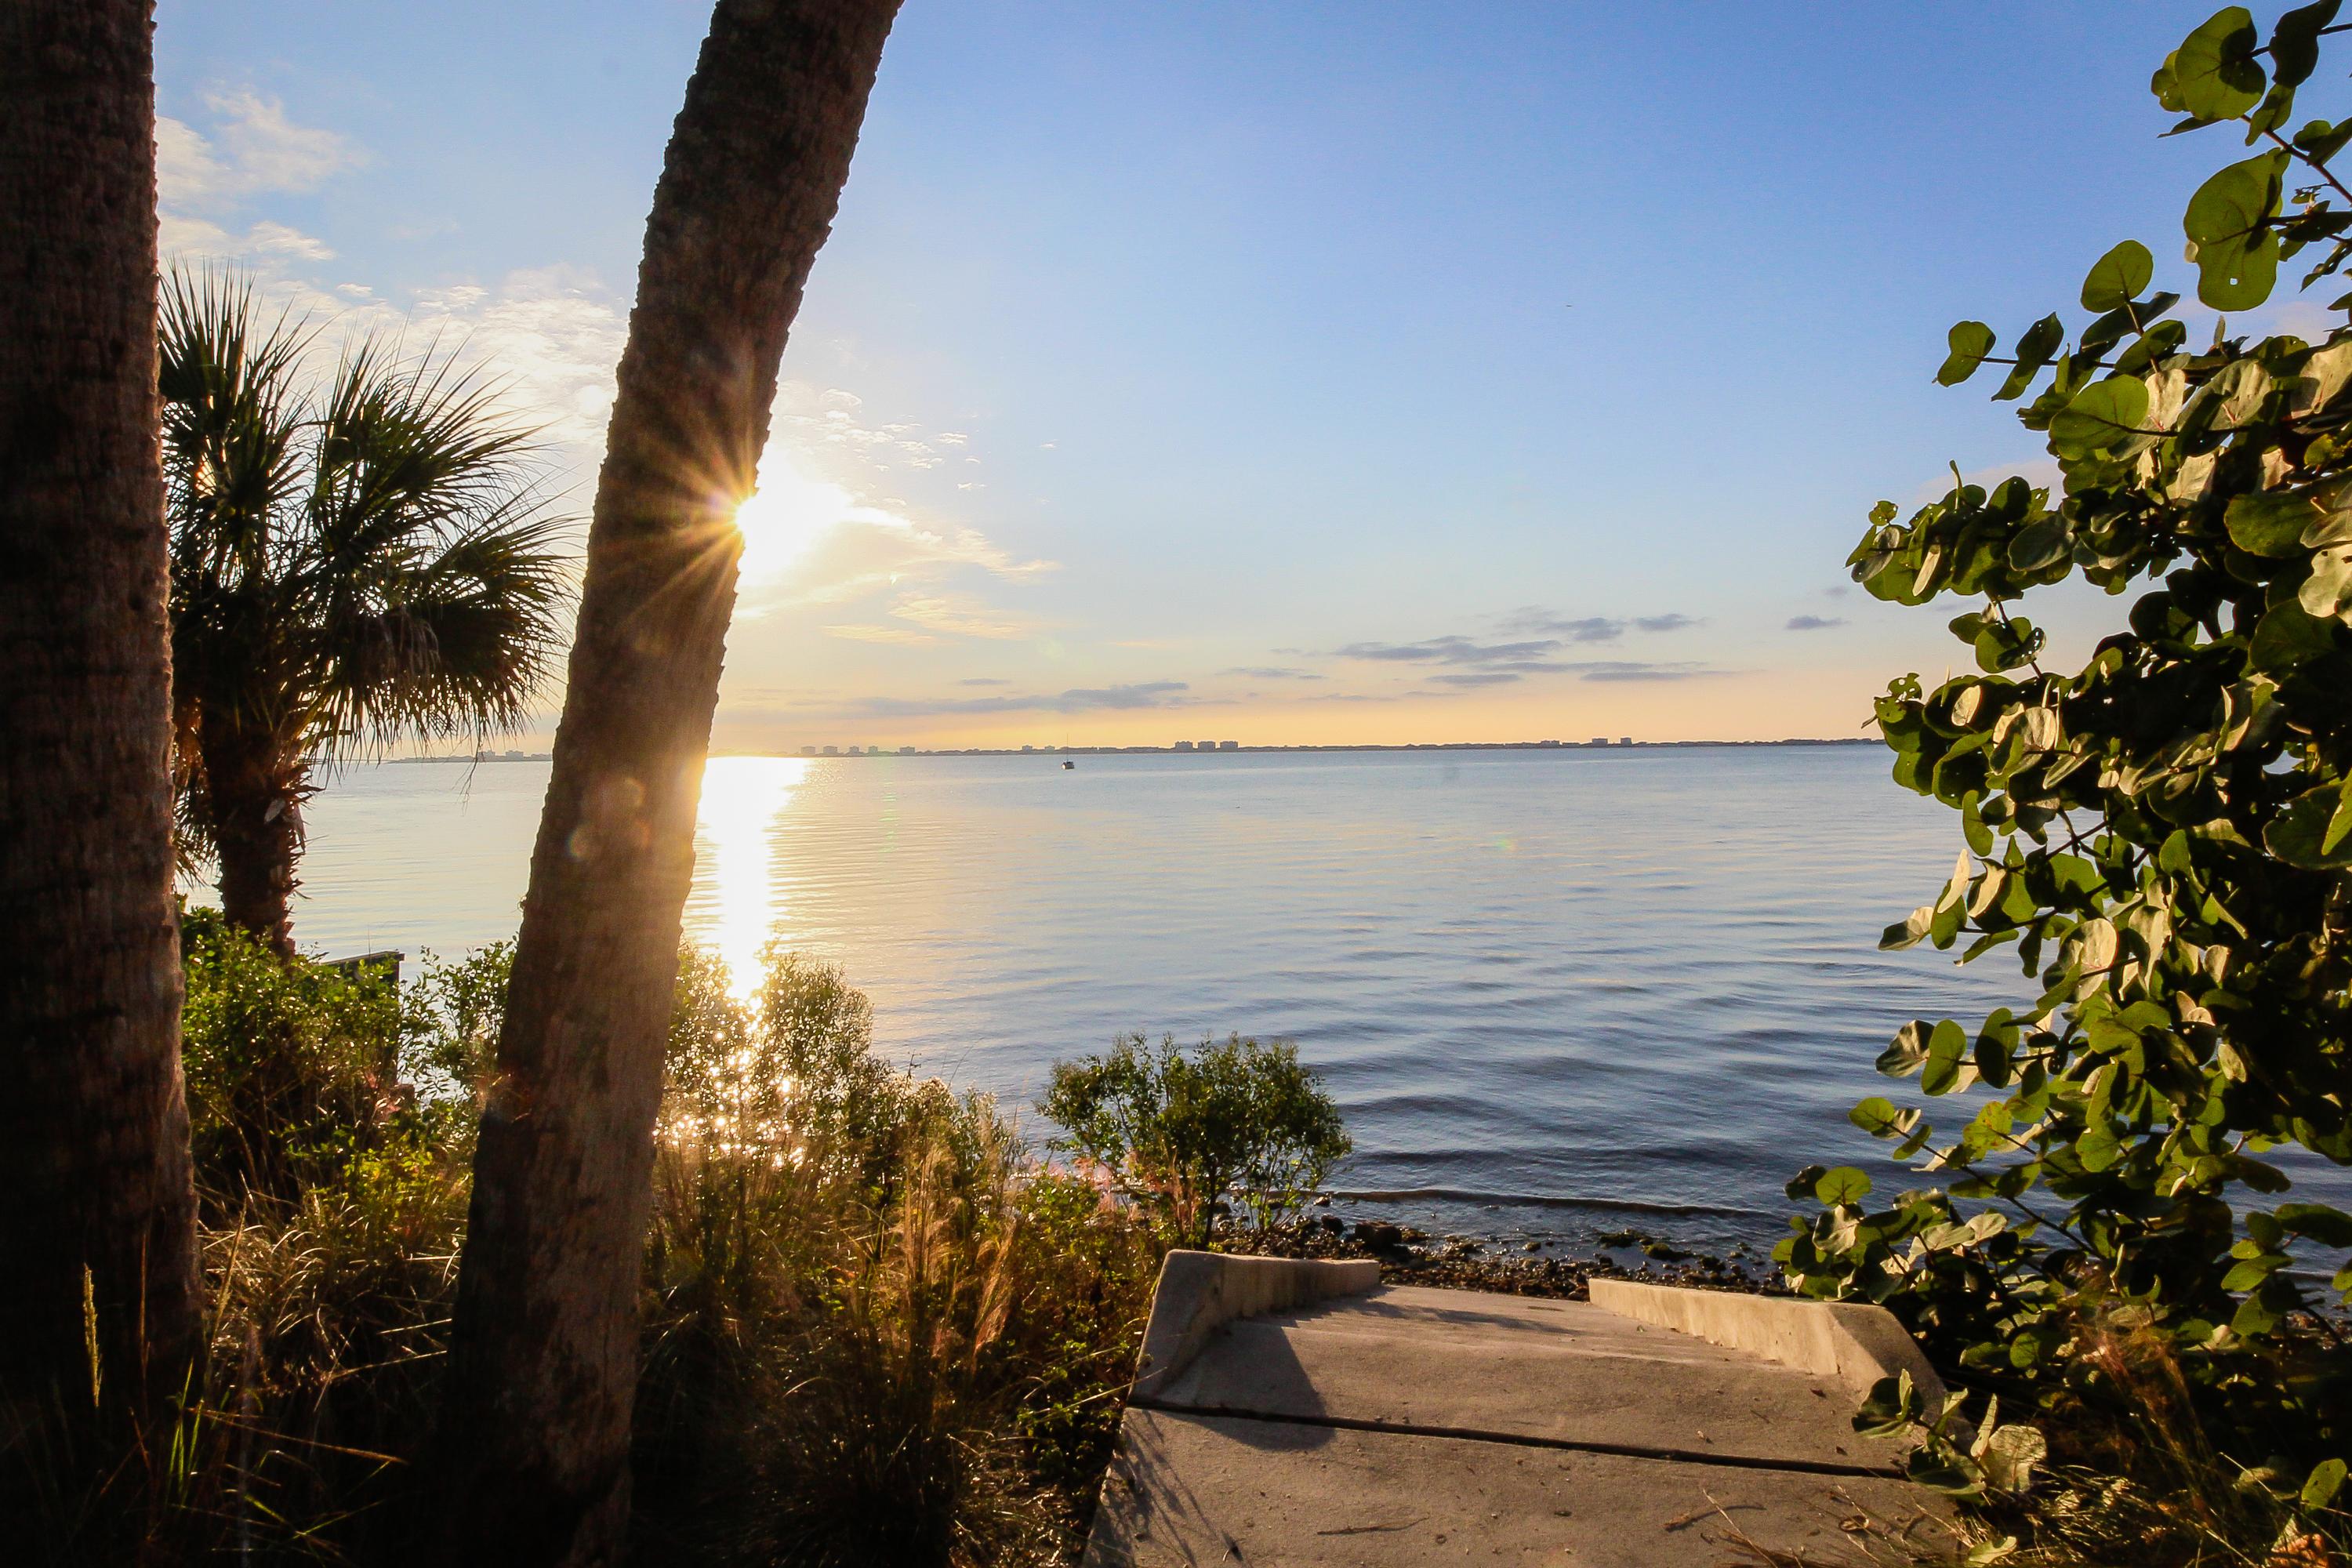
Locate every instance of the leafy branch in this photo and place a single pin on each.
(2190, 947)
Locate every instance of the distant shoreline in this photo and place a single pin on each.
(1197, 749)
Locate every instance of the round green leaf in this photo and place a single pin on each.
(2327, 592)
(2228, 222)
(2102, 414)
(1971, 342)
(2319, 1487)
(2328, 1226)
(1941, 1073)
(2271, 523)
(2118, 277)
(2039, 544)
(2098, 1147)
(1875, 1116)
(2298, 835)
(2295, 41)
(1842, 1187)
(2214, 73)
(2286, 637)
(2239, 278)
(2036, 347)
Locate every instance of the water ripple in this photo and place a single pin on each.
(1539, 983)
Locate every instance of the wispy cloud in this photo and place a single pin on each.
(548, 338)
(254, 150)
(1535, 620)
(1526, 657)
(1600, 669)
(983, 680)
(963, 616)
(825, 499)
(1077, 700)
(1274, 672)
(1633, 671)
(1814, 623)
(1499, 664)
(853, 548)
(836, 421)
(204, 182)
(906, 635)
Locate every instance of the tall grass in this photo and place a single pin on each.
(2141, 1480)
(875, 1330)
(869, 1316)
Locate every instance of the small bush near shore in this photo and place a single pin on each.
(875, 1332)
(1191, 1134)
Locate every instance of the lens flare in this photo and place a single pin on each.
(784, 519)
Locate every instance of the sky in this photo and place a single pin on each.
(1307, 373)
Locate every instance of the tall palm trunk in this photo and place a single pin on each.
(545, 1357)
(254, 790)
(96, 1209)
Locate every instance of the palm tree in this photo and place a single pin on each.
(99, 1312)
(349, 568)
(544, 1358)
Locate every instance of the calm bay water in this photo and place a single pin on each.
(1556, 991)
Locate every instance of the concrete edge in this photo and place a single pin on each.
(1854, 1342)
(1200, 1292)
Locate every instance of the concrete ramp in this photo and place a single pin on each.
(1406, 1426)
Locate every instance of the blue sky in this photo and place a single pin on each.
(1348, 371)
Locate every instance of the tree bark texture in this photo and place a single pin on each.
(545, 1356)
(254, 786)
(95, 1190)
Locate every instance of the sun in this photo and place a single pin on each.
(783, 518)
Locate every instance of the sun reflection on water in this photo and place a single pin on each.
(738, 904)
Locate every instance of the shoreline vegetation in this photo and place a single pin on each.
(879, 1325)
(866, 1296)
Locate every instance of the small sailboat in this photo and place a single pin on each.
(1066, 764)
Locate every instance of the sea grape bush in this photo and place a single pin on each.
(2164, 835)
(1187, 1134)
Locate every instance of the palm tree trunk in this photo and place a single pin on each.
(256, 828)
(93, 1123)
(544, 1362)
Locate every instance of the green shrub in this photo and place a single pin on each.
(285, 1062)
(2166, 837)
(333, 1200)
(1186, 1134)
(875, 1330)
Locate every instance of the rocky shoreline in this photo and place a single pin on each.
(1412, 1257)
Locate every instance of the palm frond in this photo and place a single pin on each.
(374, 559)
(469, 639)
(232, 423)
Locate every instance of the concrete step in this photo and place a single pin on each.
(1302, 1413)
(1191, 1491)
(1568, 1372)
